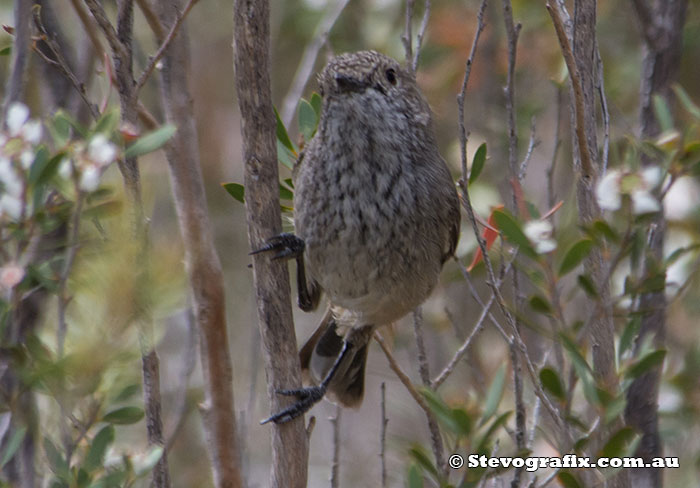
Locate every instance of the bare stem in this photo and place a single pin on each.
(382, 435)
(335, 466)
(308, 60)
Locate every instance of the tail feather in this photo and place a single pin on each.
(320, 352)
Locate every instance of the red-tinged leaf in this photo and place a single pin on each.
(489, 235)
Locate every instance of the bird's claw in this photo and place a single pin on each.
(286, 246)
(307, 398)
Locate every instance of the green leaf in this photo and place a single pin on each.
(107, 123)
(316, 103)
(494, 395)
(568, 480)
(663, 113)
(149, 461)
(629, 334)
(444, 414)
(586, 284)
(552, 383)
(655, 282)
(498, 422)
(307, 120)
(618, 442)
(41, 161)
(56, 461)
(685, 100)
(12, 445)
(478, 163)
(124, 415)
(649, 361)
(61, 126)
(415, 478)
(6, 51)
(98, 448)
(285, 156)
(511, 230)
(151, 141)
(282, 135)
(540, 304)
(423, 460)
(573, 257)
(286, 193)
(236, 190)
(127, 392)
(603, 228)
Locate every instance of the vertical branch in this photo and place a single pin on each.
(661, 25)
(271, 279)
(382, 435)
(16, 82)
(435, 437)
(202, 261)
(335, 465)
(121, 43)
(581, 59)
(512, 33)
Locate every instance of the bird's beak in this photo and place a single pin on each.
(347, 84)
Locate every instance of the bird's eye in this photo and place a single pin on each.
(391, 76)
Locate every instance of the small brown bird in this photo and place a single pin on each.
(376, 215)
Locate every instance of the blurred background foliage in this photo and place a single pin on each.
(101, 366)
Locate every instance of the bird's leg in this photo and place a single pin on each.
(309, 396)
(288, 246)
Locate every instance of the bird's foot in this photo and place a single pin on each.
(285, 245)
(306, 398)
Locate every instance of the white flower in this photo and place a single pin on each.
(540, 234)
(638, 185)
(12, 184)
(17, 115)
(11, 205)
(32, 132)
(11, 275)
(90, 178)
(608, 191)
(26, 158)
(65, 168)
(101, 151)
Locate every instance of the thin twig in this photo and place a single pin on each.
(485, 312)
(551, 197)
(335, 467)
(587, 168)
(532, 144)
(467, 72)
(153, 60)
(308, 60)
(604, 109)
(382, 435)
(435, 437)
(421, 35)
(107, 28)
(89, 26)
(61, 63)
(407, 37)
(403, 377)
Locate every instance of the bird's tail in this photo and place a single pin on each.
(321, 351)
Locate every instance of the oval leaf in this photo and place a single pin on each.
(511, 230)
(282, 135)
(151, 141)
(552, 383)
(307, 120)
(493, 396)
(646, 363)
(12, 445)
(573, 257)
(478, 163)
(124, 415)
(236, 190)
(98, 448)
